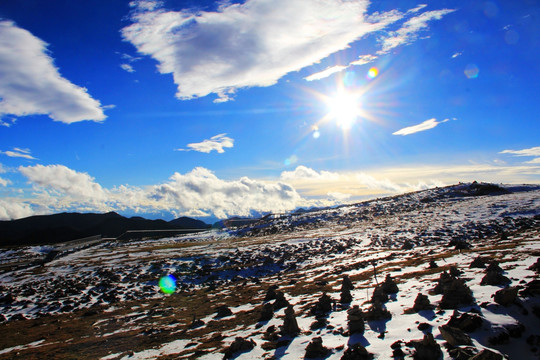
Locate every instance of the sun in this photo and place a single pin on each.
(344, 108)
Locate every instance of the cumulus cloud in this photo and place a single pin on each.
(14, 209)
(19, 153)
(245, 45)
(215, 143)
(304, 173)
(64, 180)
(534, 151)
(31, 84)
(426, 125)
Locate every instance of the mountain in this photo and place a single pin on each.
(48, 229)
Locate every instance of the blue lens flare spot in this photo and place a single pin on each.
(167, 284)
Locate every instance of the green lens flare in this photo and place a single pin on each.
(167, 284)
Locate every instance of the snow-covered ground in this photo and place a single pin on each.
(108, 294)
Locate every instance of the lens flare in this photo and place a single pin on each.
(373, 73)
(471, 71)
(167, 284)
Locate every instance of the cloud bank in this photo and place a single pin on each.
(31, 84)
(215, 143)
(245, 45)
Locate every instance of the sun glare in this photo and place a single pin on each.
(344, 109)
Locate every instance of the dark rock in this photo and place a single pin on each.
(397, 353)
(424, 326)
(535, 266)
(355, 320)
(356, 352)
(280, 302)
(239, 345)
(506, 296)
(323, 306)
(377, 312)
(479, 263)
(315, 349)
(531, 289)
(515, 330)
(267, 312)
(290, 325)
(407, 245)
(466, 321)
(455, 272)
(345, 296)
(456, 294)
(319, 323)
(426, 349)
(462, 353)
(379, 295)
(271, 293)
(422, 303)
(454, 336)
(7, 299)
(494, 278)
(389, 286)
(494, 266)
(433, 264)
(487, 354)
(223, 311)
(502, 337)
(347, 283)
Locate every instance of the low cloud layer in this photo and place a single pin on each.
(31, 84)
(245, 45)
(215, 143)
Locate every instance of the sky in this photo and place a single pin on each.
(236, 108)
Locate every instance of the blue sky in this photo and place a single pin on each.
(214, 109)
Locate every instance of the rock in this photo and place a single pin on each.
(407, 245)
(267, 312)
(531, 289)
(323, 306)
(271, 293)
(389, 286)
(379, 295)
(345, 297)
(433, 264)
(315, 349)
(426, 349)
(377, 312)
(462, 353)
(239, 345)
(319, 323)
(487, 354)
(347, 283)
(422, 303)
(397, 353)
(494, 278)
(466, 321)
(355, 320)
(506, 296)
(356, 352)
(515, 330)
(290, 325)
(494, 266)
(424, 326)
(479, 263)
(280, 302)
(7, 299)
(456, 294)
(455, 272)
(223, 311)
(535, 266)
(454, 336)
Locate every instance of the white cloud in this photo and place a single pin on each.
(127, 68)
(7, 122)
(456, 55)
(14, 209)
(245, 45)
(426, 125)
(325, 73)
(364, 59)
(19, 153)
(215, 143)
(409, 31)
(534, 151)
(304, 173)
(31, 84)
(65, 180)
(533, 161)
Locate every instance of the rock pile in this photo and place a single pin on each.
(315, 349)
(355, 320)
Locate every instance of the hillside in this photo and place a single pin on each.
(446, 273)
(56, 228)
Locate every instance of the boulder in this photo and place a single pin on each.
(239, 345)
(267, 312)
(487, 354)
(426, 349)
(356, 352)
(223, 311)
(422, 303)
(355, 320)
(494, 278)
(454, 336)
(506, 296)
(290, 325)
(323, 306)
(315, 349)
(467, 321)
